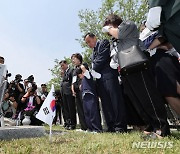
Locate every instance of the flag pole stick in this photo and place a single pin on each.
(50, 133)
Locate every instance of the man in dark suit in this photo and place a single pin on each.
(165, 15)
(68, 106)
(108, 86)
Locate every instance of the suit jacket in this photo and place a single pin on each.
(67, 81)
(101, 60)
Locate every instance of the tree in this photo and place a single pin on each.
(56, 73)
(56, 76)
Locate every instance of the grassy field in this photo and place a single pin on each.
(73, 142)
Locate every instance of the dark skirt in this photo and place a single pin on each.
(146, 100)
(166, 70)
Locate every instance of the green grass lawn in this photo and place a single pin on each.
(81, 142)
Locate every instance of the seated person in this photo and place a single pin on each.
(9, 106)
(32, 103)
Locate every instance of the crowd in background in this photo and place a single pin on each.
(23, 98)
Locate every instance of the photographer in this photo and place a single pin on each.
(30, 82)
(16, 88)
(31, 102)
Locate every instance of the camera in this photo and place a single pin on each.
(30, 79)
(8, 75)
(11, 94)
(33, 85)
(17, 79)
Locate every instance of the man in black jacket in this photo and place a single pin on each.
(68, 106)
(108, 86)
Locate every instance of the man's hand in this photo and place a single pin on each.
(11, 98)
(74, 94)
(154, 18)
(29, 90)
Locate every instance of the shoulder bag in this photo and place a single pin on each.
(132, 59)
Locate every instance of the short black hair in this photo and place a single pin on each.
(72, 55)
(43, 85)
(78, 56)
(57, 93)
(1, 57)
(89, 34)
(63, 61)
(78, 69)
(18, 76)
(86, 66)
(113, 19)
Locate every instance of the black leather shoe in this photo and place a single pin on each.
(72, 127)
(120, 130)
(110, 130)
(67, 127)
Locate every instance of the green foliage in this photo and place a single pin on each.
(134, 10)
(56, 76)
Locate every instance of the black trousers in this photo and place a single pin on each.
(92, 112)
(69, 110)
(58, 113)
(112, 104)
(146, 100)
(80, 110)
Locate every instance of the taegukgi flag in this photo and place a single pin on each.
(48, 108)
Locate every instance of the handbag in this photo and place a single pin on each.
(132, 59)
